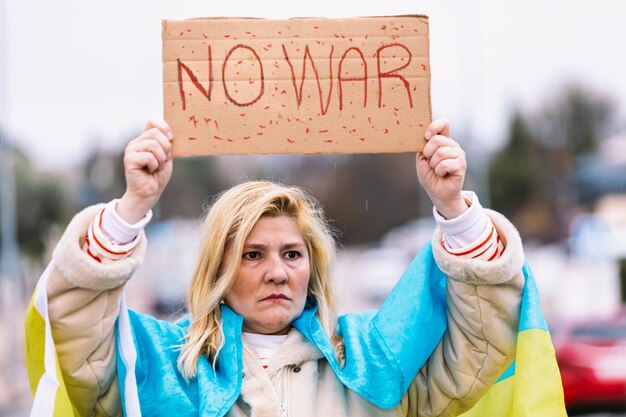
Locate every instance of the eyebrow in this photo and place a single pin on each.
(289, 245)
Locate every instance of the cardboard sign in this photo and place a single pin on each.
(306, 85)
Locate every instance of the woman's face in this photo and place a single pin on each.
(270, 288)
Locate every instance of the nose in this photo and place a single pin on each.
(276, 271)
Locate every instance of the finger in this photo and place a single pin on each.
(150, 145)
(437, 142)
(161, 138)
(161, 125)
(446, 152)
(451, 166)
(141, 160)
(437, 127)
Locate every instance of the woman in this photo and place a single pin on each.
(262, 337)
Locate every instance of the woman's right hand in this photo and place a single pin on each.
(148, 169)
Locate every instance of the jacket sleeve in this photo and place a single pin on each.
(83, 305)
(483, 301)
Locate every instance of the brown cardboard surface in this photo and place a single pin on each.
(305, 85)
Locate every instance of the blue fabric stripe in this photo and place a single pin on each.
(510, 371)
(531, 316)
(386, 349)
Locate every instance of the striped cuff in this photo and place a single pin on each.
(117, 229)
(101, 246)
(487, 247)
(472, 234)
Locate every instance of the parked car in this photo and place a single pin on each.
(592, 359)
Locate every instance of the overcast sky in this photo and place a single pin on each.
(75, 75)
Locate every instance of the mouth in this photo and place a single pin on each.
(276, 297)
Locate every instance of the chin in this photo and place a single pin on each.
(279, 326)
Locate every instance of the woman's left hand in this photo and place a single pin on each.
(441, 168)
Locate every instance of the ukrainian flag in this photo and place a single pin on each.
(46, 381)
(531, 387)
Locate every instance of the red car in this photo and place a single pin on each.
(592, 359)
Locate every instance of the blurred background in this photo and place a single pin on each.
(535, 94)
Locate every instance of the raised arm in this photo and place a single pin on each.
(100, 250)
(481, 254)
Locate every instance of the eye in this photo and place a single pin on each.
(251, 255)
(292, 254)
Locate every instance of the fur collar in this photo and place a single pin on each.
(257, 388)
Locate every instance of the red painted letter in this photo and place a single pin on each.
(363, 78)
(307, 53)
(390, 74)
(194, 80)
(261, 78)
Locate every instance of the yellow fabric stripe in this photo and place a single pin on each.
(35, 346)
(534, 391)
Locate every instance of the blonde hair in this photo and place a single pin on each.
(226, 226)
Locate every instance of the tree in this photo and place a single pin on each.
(518, 181)
(531, 178)
(42, 202)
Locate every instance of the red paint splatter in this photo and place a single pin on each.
(193, 119)
(217, 137)
(291, 140)
(323, 131)
(216, 125)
